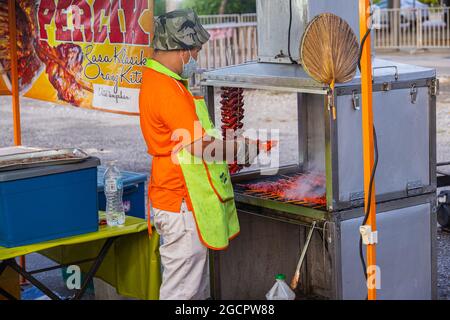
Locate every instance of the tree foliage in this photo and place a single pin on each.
(203, 7)
(431, 2)
(160, 7)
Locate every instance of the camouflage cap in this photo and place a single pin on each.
(179, 30)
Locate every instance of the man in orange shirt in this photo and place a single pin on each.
(191, 197)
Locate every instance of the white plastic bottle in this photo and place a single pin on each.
(115, 213)
(280, 291)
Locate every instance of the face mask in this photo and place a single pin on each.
(189, 68)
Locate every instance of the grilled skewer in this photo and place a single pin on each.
(304, 189)
(232, 115)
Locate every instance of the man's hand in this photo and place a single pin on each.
(241, 149)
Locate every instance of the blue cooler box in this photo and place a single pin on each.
(133, 192)
(46, 203)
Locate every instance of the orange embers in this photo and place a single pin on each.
(306, 188)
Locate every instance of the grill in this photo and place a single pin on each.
(405, 121)
(274, 226)
(249, 192)
(406, 188)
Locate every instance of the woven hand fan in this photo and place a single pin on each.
(329, 50)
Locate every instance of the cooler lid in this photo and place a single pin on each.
(20, 174)
(16, 150)
(129, 178)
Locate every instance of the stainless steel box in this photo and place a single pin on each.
(406, 132)
(266, 246)
(404, 116)
(273, 24)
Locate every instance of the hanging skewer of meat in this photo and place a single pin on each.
(232, 112)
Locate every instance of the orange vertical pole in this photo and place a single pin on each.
(368, 139)
(15, 86)
(14, 72)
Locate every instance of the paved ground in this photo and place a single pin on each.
(438, 59)
(113, 137)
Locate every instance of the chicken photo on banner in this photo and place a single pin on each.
(29, 64)
(87, 53)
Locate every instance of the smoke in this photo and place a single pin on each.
(308, 185)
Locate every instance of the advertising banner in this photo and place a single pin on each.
(87, 53)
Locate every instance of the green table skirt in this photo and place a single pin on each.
(132, 264)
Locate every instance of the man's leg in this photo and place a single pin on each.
(183, 257)
(199, 266)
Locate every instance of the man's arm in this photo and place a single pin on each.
(211, 149)
(182, 120)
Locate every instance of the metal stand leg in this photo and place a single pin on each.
(94, 268)
(29, 275)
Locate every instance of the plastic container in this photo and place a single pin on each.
(49, 202)
(133, 192)
(112, 180)
(280, 291)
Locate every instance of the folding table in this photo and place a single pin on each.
(125, 257)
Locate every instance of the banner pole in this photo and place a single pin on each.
(368, 142)
(14, 72)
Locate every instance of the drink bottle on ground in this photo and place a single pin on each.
(280, 291)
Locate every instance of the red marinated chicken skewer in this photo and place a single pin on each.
(233, 114)
(232, 111)
(308, 188)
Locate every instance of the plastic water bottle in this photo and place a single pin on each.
(115, 213)
(280, 291)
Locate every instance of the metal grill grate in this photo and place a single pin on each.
(244, 189)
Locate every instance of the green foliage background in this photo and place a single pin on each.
(203, 7)
(431, 2)
(160, 7)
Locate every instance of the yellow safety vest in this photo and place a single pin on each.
(208, 184)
